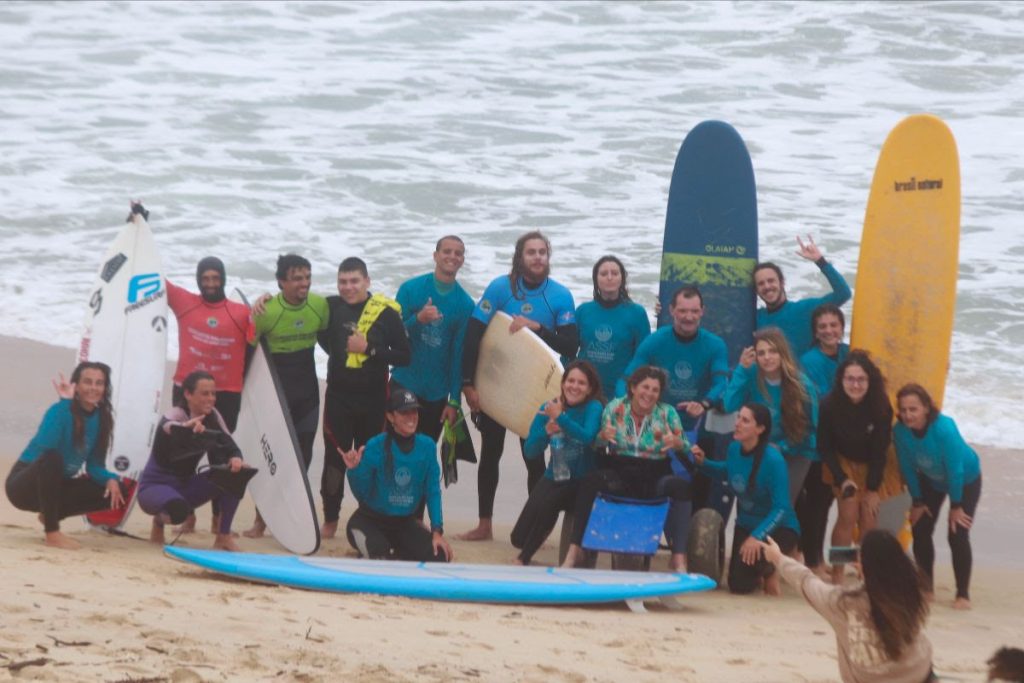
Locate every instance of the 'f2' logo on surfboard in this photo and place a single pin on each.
(142, 286)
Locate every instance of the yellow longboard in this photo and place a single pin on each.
(909, 252)
(906, 276)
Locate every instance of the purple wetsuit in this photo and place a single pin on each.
(169, 483)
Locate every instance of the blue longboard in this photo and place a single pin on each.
(711, 232)
(451, 582)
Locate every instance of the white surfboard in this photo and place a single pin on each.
(515, 374)
(126, 328)
(266, 437)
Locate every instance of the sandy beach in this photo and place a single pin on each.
(118, 610)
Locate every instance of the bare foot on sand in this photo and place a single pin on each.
(258, 529)
(156, 533)
(677, 563)
(517, 562)
(482, 532)
(329, 530)
(226, 542)
(962, 604)
(572, 556)
(188, 527)
(56, 539)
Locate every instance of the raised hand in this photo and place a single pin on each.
(810, 250)
(353, 457)
(64, 388)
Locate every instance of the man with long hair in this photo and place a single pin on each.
(534, 301)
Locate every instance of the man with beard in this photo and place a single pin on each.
(794, 317)
(535, 301)
(214, 335)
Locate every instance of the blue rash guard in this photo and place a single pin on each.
(580, 425)
(743, 388)
(767, 506)
(435, 371)
(396, 491)
(821, 368)
(550, 304)
(610, 336)
(940, 455)
(56, 432)
(698, 368)
(794, 317)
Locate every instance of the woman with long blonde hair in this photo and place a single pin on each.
(768, 374)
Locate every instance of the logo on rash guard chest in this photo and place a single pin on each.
(299, 324)
(486, 306)
(526, 308)
(403, 477)
(738, 484)
(683, 370)
(211, 322)
(604, 333)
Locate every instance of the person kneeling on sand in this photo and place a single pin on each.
(170, 488)
(389, 476)
(756, 472)
(879, 625)
(75, 431)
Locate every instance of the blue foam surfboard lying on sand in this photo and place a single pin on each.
(453, 582)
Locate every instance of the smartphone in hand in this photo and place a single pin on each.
(839, 555)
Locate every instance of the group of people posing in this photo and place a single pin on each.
(813, 419)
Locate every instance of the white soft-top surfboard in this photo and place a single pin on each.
(515, 374)
(126, 328)
(266, 437)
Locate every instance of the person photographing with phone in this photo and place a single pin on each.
(879, 624)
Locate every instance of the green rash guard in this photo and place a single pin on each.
(291, 328)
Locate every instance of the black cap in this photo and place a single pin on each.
(402, 399)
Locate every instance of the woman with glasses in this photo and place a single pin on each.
(854, 434)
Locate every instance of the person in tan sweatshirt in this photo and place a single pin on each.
(879, 624)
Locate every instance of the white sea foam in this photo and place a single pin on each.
(372, 129)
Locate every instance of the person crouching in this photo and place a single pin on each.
(389, 476)
(170, 489)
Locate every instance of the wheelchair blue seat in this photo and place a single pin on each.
(625, 525)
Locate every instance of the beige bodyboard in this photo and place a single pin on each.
(515, 374)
